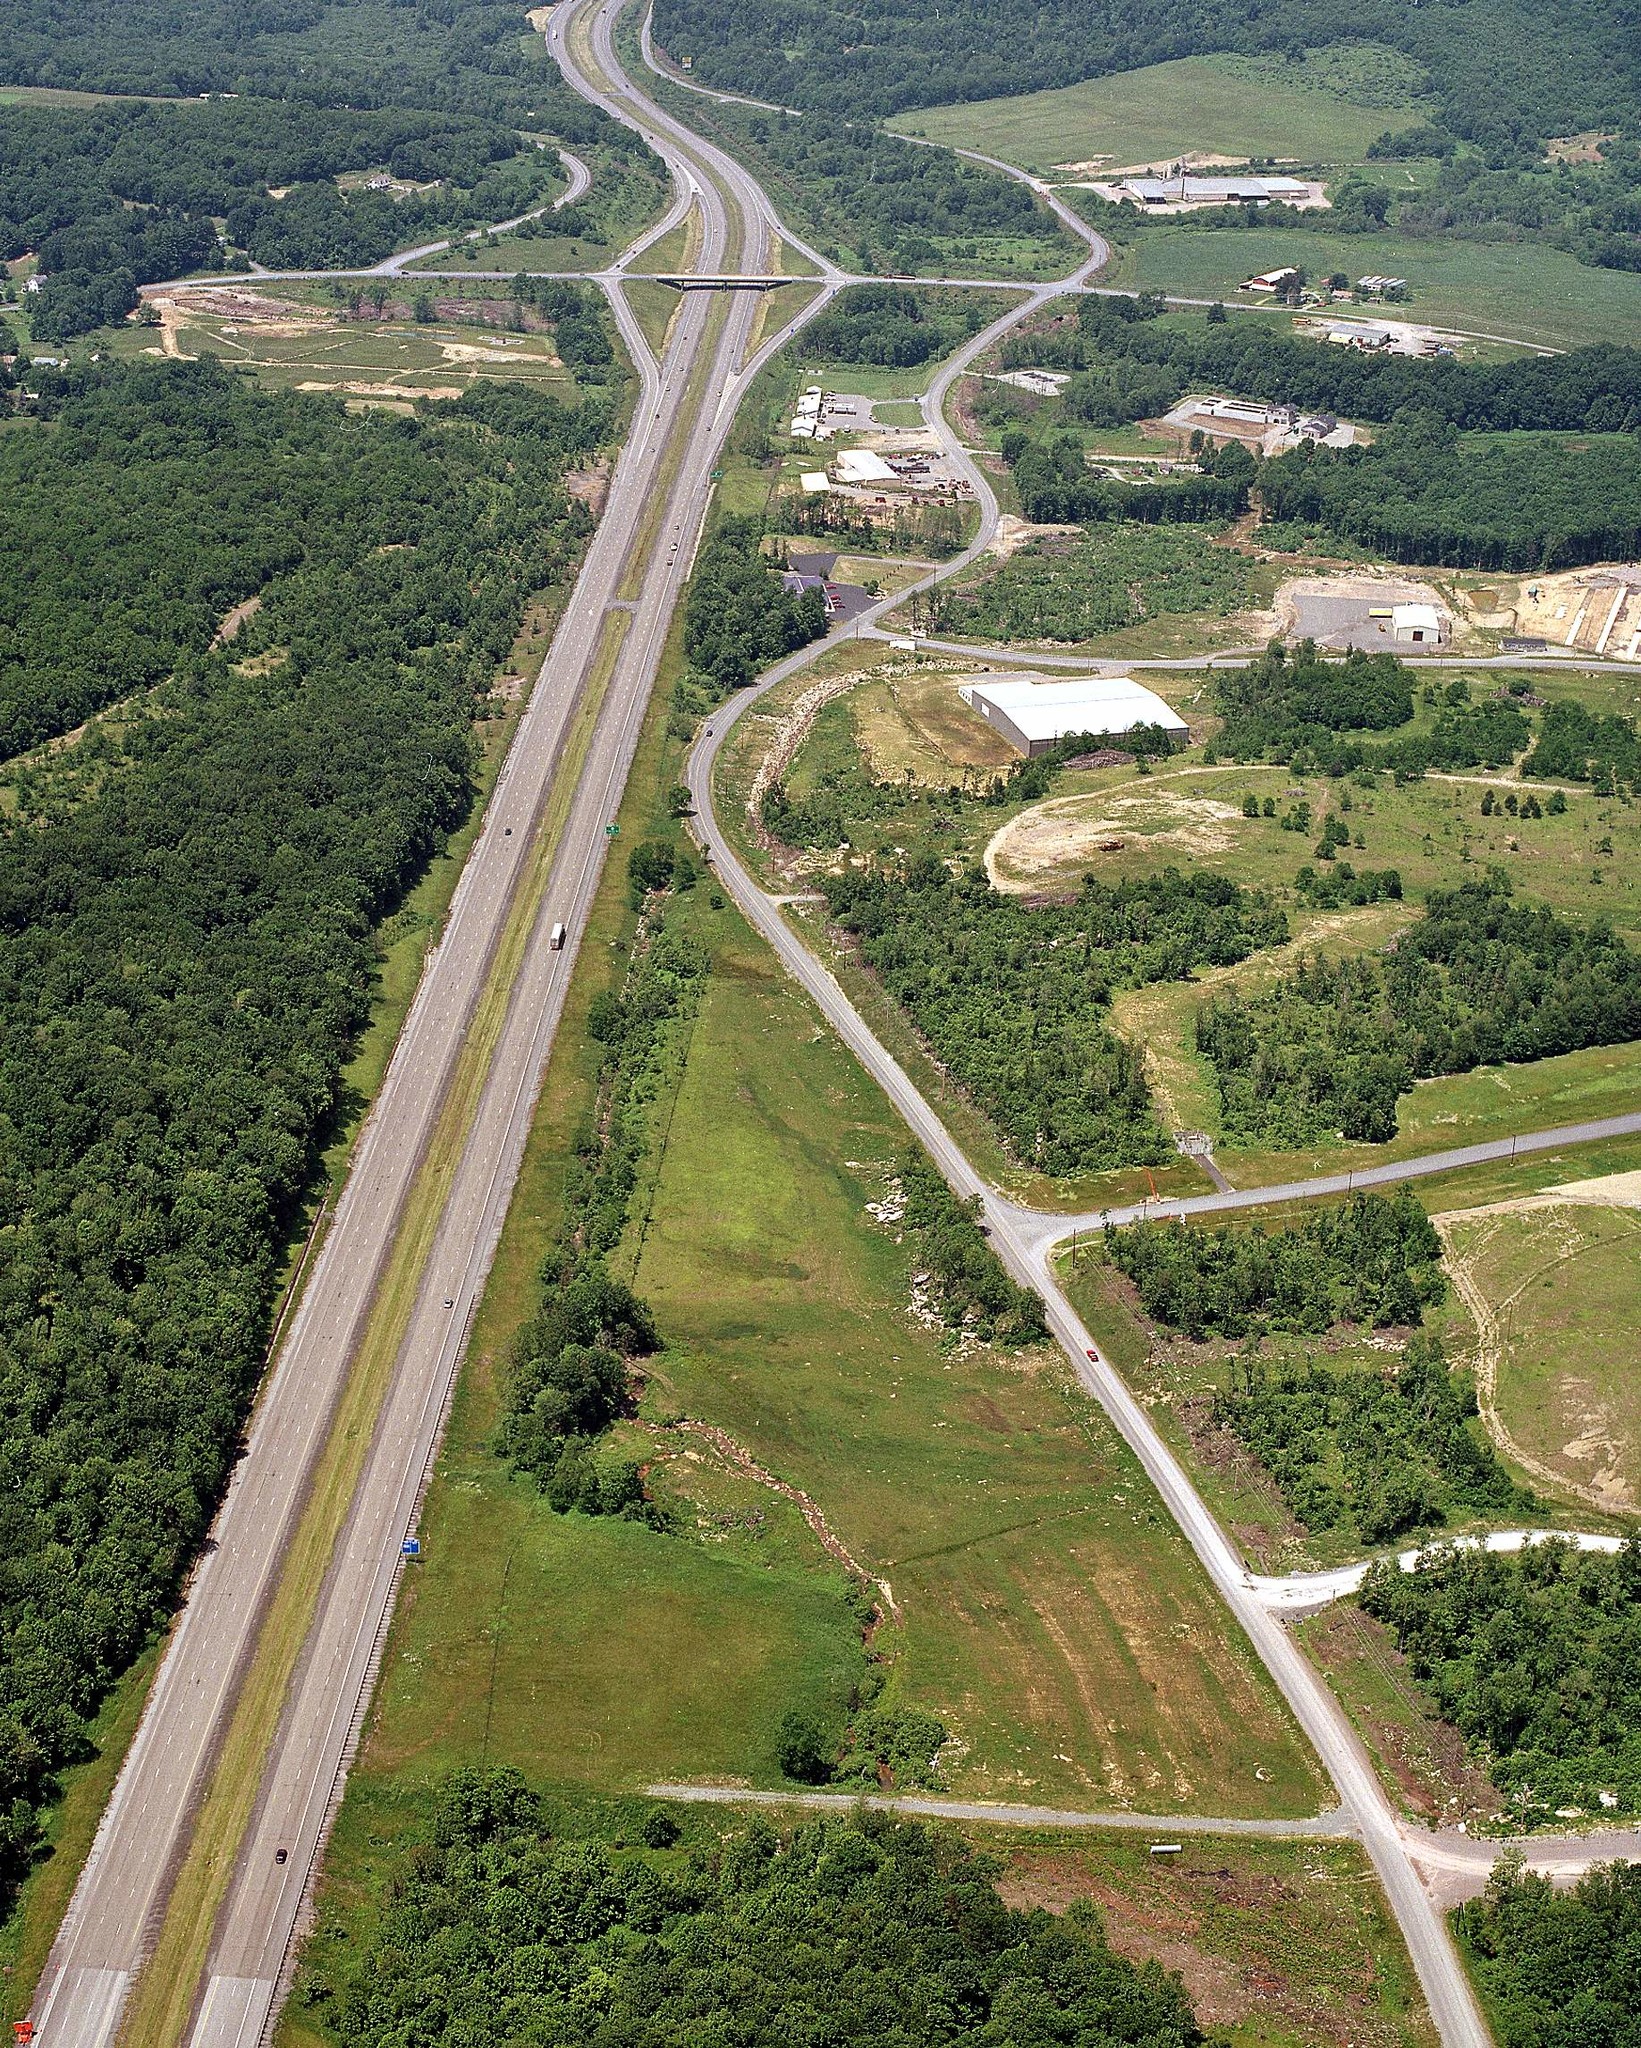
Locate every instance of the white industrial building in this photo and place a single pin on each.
(1417, 625)
(1033, 713)
(1225, 189)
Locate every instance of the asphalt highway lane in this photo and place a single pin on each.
(120, 1900)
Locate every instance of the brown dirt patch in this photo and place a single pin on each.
(591, 485)
(1424, 1755)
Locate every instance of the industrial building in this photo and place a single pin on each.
(1033, 713)
(1417, 625)
(1227, 189)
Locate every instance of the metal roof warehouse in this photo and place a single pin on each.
(1032, 714)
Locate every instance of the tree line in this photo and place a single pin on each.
(119, 195)
(1536, 1659)
(1011, 1000)
(1586, 390)
(737, 617)
(850, 186)
(1298, 707)
(499, 1916)
(1380, 1454)
(892, 325)
(569, 1376)
(819, 53)
(1373, 1260)
(1333, 1045)
(1576, 744)
(187, 951)
(1424, 493)
(1556, 1966)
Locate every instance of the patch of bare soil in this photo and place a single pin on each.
(1013, 533)
(591, 485)
(1065, 831)
(1176, 1917)
(1425, 1755)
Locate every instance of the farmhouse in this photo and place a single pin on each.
(1033, 713)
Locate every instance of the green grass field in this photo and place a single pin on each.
(1522, 291)
(1045, 1597)
(1551, 1287)
(1212, 104)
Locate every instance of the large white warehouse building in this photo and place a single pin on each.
(1032, 713)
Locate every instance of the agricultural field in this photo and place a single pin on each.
(1217, 106)
(302, 339)
(1520, 291)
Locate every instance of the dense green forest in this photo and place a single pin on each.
(1378, 1453)
(569, 1375)
(1536, 1660)
(1057, 486)
(1373, 1260)
(1318, 714)
(1576, 744)
(127, 193)
(187, 914)
(467, 55)
(1425, 493)
(889, 324)
(1504, 73)
(1595, 390)
(1012, 999)
(737, 618)
(1118, 575)
(853, 1930)
(144, 515)
(1480, 978)
(1473, 469)
(1557, 1967)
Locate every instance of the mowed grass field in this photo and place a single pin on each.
(1194, 103)
(1522, 291)
(1552, 1287)
(1052, 1617)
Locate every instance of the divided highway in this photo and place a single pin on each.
(609, 639)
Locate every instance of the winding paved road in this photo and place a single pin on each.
(1024, 1242)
